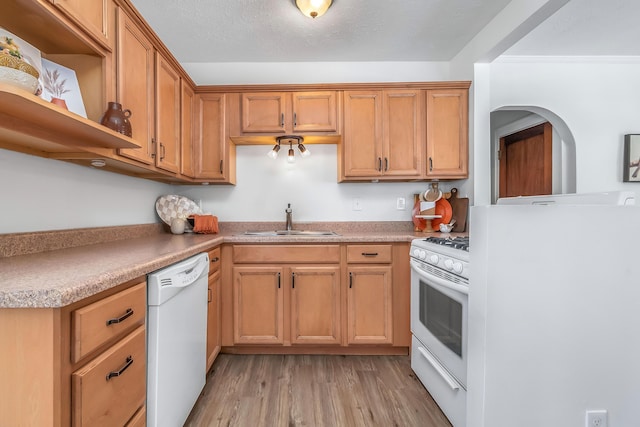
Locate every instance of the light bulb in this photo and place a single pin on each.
(274, 151)
(304, 151)
(291, 158)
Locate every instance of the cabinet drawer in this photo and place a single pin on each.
(107, 319)
(271, 254)
(139, 419)
(112, 387)
(214, 260)
(368, 254)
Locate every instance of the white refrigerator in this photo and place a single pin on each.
(554, 311)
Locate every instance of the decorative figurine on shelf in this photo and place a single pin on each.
(117, 119)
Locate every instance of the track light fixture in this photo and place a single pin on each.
(304, 151)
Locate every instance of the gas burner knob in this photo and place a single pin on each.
(448, 264)
(433, 259)
(457, 267)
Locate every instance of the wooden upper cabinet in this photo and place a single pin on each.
(187, 113)
(289, 112)
(167, 115)
(89, 15)
(447, 133)
(135, 86)
(362, 139)
(214, 154)
(383, 135)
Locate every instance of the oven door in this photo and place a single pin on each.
(439, 319)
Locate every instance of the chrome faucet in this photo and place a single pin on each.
(289, 220)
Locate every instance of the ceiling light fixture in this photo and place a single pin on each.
(304, 151)
(313, 8)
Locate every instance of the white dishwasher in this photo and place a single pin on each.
(176, 340)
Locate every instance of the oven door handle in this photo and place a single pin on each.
(443, 373)
(464, 289)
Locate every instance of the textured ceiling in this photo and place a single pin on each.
(351, 30)
(377, 30)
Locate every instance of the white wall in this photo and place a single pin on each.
(41, 194)
(594, 97)
(266, 186)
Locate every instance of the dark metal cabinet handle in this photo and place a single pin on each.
(221, 163)
(210, 296)
(386, 164)
(379, 164)
(293, 280)
(282, 120)
(369, 253)
(153, 143)
(127, 313)
(350, 280)
(430, 164)
(278, 280)
(215, 259)
(162, 151)
(295, 119)
(119, 372)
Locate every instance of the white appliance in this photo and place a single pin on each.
(439, 306)
(554, 314)
(176, 340)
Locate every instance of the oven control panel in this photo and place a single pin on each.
(445, 262)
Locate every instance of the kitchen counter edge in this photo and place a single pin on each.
(58, 278)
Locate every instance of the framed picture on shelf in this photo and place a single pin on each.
(631, 166)
(60, 86)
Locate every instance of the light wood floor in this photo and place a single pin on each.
(315, 391)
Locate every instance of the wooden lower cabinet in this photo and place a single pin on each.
(41, 383)
(213, 307)
(370, 308)
(337, 299)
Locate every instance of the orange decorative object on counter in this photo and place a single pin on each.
(419, 223)
(443, 208)
(205, 224)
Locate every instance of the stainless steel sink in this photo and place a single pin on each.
(290, 233)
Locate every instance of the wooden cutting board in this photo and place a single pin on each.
(460, 209)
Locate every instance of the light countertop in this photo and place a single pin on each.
(63, 275)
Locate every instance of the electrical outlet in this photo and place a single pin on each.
(357, 204)
(596, 418)
(400, 204)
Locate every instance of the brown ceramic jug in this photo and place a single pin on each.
(117, 119)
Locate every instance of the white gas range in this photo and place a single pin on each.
(439, 311)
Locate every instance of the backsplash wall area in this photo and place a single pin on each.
(43, 194)
(265, 187)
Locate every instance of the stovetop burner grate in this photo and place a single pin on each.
(455, 243)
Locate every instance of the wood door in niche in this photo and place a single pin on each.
(525, 162)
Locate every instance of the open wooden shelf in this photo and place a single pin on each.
(29, 116)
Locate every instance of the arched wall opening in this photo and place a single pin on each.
(507, 120)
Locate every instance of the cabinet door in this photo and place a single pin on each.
(369, 301)
(90, 15)
(213, 318)
(362, 144)
(167, 115)
(403, 133)
(315, 111)
(211, 140)
(315, 305)
(135, 86)
(264, 112)
(258, 305)
(447, 133)
(187, 110)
